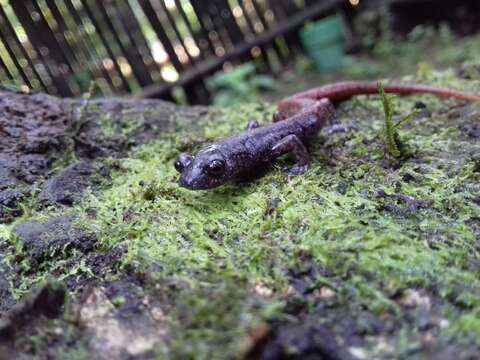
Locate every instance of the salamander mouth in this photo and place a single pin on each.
(202, 183)
(194, 186)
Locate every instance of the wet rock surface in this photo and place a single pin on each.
(10, 204)
(57, 146)
(67, 186)
(322, 281)
(38, 131)
(311, 341)
(46, 301)
(6, 297)
(32, 128)
(46, 240)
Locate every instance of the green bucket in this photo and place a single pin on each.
(324, 42)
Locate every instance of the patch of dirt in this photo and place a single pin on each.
(319, 326)
(10, 204)
(101, 263)
(401, 204)
(305, 341)
(322, 325)
(120, 322)
(469, 116)
(46, 301)
(469, 71)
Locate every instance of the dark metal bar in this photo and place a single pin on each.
(248, 20)
(266, 26)
(34, 35)
(203, 29)
(184, 17)
(76, 53)
(171, 21)
(56, 39)
(251, 26)
(228, 21)
(5, 69)
(59, 54)
(133, 28)
(14, 59)
(131, 54)
(259, 13)
(222, 16)
(289, 7)
(217, 23)
(280, 13)
(209, 66)
(19, 45)
(203, 11)
(107, 47)
(152, 17)
(87, 43)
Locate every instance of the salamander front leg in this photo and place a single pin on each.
(292, 144)
(252, 124)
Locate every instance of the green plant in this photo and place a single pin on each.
(393, 144)
(239, 85)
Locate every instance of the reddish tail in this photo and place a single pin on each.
(342, 91)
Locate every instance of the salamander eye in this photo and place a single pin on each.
(216, 168)
(179, 166)
(182, 162)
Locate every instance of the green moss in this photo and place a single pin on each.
(115, 130)
(256, 232)
(374, 228)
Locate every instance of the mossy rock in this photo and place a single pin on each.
(365, 256)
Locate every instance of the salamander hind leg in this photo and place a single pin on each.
(292, 144)
(291, 107)
(327, 110)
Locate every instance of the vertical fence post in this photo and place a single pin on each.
(100, 33)
(131, 54)
(6, 25)
(41, 40)
(133, 29)
(157, 26)
(86, 43)
(194, 34)
(14, 59)
(5, 69)
(266, 26)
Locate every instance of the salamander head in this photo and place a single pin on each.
(207, 170)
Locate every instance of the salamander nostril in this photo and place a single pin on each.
(183, 160)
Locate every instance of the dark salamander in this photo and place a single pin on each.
(296, 123)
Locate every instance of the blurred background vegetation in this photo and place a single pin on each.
(192, 51)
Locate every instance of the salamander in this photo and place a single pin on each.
(296, 122)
